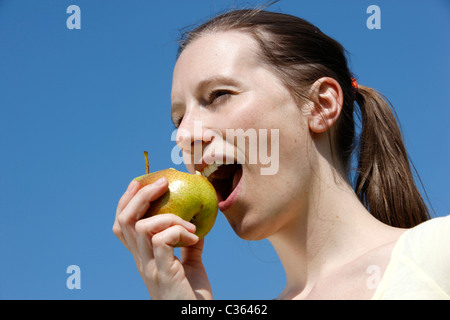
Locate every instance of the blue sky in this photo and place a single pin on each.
(78, 107)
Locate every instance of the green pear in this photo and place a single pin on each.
(190, 196)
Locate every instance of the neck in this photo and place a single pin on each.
(330, 230)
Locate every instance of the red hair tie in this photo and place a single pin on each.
(354, 85)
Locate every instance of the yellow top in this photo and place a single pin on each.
(420, 264)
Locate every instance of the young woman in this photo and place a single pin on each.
(254, 69)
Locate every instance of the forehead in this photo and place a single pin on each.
(227, 54)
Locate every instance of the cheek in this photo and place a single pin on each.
(274, 200)
(271, 201)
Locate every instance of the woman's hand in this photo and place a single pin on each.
(152, 240)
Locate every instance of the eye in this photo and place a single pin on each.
(217, 95)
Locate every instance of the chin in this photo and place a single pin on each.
(249, 225)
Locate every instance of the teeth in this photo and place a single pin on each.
(210, 169)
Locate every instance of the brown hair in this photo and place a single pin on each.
(301, 54)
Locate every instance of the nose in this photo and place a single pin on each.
(192, 138)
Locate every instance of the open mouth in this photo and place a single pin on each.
(224, 177)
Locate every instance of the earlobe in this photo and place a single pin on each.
(327, 99)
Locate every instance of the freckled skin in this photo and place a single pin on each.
(190, 196)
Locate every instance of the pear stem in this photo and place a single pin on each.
(147, 168)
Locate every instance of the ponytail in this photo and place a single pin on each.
(384, 181)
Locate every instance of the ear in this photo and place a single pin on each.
(326, 104)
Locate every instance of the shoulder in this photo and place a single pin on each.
(428, 246)
(420, 263)
(440, 223)
(428, 238)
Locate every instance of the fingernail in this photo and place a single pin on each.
(132, 186)
(160, 181)
(195, 237)
(190, 226)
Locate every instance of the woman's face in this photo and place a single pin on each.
(220, 85)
